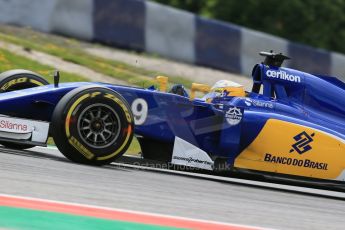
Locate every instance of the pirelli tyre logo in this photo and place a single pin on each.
(303, 141)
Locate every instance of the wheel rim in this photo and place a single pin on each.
(99, 125)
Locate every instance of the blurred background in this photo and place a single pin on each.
(160, 36)
(317, 23)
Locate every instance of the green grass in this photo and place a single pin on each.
(72, 50)
(9, 61)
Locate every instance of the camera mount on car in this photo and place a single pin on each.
(273, 59)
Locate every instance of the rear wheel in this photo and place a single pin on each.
(92, 125)
(16, 80)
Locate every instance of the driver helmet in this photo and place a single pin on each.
(224, 88)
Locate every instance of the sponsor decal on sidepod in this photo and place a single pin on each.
(264, 104)
(301, 146)
(307, 163)
(303, 140)
(184, 153)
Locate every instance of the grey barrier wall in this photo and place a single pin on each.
(309, 59)
(120, 23)
(218, 45)
(148, 26)
(33, 13)
(170, 32)
(73, 18)
(253, 42)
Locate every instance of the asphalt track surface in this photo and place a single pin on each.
(46, 174)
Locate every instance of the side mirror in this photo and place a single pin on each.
(56, 78)
(273, 59)
(196, 87)
(163, 83)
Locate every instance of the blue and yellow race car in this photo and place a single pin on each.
(290, 123)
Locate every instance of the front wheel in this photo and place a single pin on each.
(19, 79)
(92, 125)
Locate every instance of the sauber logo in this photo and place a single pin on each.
(303, 140)
(233, 116)
(282, 75)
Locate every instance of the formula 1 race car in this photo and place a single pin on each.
(290, 123)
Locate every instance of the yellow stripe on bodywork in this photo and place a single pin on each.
(276, 139)
(70, 111)
(129, 131)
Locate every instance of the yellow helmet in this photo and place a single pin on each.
(229, 88)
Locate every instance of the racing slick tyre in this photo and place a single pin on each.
(92, 125)
(18, 79)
